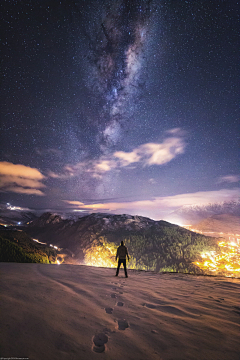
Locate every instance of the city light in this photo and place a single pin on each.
(225, 262)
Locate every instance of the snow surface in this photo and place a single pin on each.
(79, 312)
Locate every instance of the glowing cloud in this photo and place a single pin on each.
(151, 153)
(21, 190)
(145, 155)
(9, 169)
(229, 179)
(64, 176)
(20, 179)
(77, 203)
(159, 154)
(127, 158)
(103, 166)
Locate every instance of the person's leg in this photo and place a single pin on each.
(125, 268)
(119, 264)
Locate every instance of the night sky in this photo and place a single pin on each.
(121, 106)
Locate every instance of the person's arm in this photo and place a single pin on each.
(127, 254)
(117, 255)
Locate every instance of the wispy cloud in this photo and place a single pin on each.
(20, 179)
(92, 168)
(64, 176)
(153, 153)
(228, 179)
(49, 152)
(144, 155)
(157, 207)
(27, 191)
(127, 158)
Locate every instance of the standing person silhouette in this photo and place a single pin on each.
(121, 255)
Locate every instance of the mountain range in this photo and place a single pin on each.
(16, 217)
(187, 214)
(93, 240)
(225, 225)
(153, 245)
(196, 213)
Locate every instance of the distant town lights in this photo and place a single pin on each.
(10, 207)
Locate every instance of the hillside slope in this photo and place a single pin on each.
(17, 246)
(153, 245)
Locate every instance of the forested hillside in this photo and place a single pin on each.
(17, 246)
(153, 245)
(167, 250)
(93, 240)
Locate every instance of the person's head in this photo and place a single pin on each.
(121, 243)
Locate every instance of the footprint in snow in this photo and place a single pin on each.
(99, 341)
(109, 310)
(150, 306)
(120, 303)
(113, 296)
(117, 289)
(122, 324)
(237, 309)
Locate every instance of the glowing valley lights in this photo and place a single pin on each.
(96, 258)
(101, 254)
(226, 262)
(55, 247)
(12, 207)
(223, 262)
(39, 242)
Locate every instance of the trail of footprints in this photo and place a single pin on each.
(100, 339)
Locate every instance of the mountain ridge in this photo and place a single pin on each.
(223, 223)
(153, 245)
(195, 213)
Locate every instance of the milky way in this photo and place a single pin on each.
(133, 104)
(117, 50)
